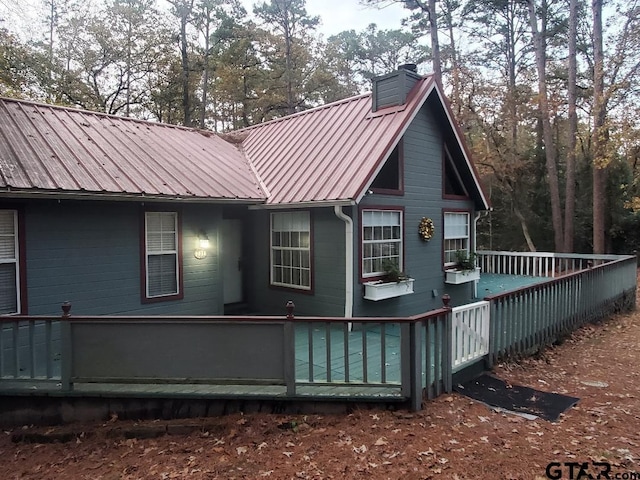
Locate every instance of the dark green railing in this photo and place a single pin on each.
(275, 357)
(404, 358)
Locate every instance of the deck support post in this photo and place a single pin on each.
(290, 351)
(65, 349)
(415, 365)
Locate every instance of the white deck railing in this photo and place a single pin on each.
(470, 335)
(538, 264)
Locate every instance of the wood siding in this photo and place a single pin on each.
(423, 149)
(89, 254)
(392, 89)
(328, 269)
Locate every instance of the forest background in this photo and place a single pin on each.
(544, 90)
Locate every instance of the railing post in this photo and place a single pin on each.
(447, 353)
(65, 349)
(415, 365)
(290, 350)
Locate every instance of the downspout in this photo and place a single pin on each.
(475, 248)
(348, 240)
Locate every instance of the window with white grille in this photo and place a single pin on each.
(9, 264)
(456, 236)
(291, 250)
(161, 245)
(381, 241)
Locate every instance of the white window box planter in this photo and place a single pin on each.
(380, 290)
(456, 277)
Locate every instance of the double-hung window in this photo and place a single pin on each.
(291, 250)
(162, 255)
(9, 264)
(456, 235)
(381, 241)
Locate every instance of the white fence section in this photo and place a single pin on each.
(538, 264)
(470, 335)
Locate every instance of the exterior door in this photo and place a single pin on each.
(232, 260)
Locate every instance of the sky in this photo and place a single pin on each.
(341, 15)
(336, 15)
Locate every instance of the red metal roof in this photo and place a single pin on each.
(326, 155)
(48, 149)
(329, 153)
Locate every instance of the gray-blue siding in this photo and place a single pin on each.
(423, 150)
(327, 297)
(89, 253)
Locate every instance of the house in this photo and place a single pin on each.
(121, 216)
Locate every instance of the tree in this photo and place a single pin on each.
(424, 16)
(549, 143)
(289, 18)
(572, 131)
(183, 10)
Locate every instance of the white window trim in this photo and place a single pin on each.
(272, 248)
(15, 261)
(400, 240)
(467, 236)
(149, 253)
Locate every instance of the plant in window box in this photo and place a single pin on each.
(392, 273)
(464, 270)
(394, 283)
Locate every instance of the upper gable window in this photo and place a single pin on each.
(453, 184)
(389, 179)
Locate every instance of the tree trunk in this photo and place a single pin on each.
(435, 45)
(550, 151)
(525, 229)
(598, 141)
(570, 189)
(184, 10)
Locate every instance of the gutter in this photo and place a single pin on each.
(348, 240)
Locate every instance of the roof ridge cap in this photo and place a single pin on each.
(104, 114)
(304, 112)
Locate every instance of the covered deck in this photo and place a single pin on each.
(528, 300)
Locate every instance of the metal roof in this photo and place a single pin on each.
(326, 155)
(48, 149)
(331, 154)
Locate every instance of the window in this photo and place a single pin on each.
(381, 241)
(9, 271)
(389, 179)
(453, 184)
(456, 235)
(161, 254)
(291, 250)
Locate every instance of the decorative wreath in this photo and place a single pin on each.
(426, 229)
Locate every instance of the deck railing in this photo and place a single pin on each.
(263, 357)
(470, 333)
(538, 264)
(528, 318)
(397, 358)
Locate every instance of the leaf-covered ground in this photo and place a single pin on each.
(452, 438)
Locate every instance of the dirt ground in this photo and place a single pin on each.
(452, 438)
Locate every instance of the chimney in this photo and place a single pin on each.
(393, 88)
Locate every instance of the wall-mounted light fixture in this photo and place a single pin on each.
(202, 245)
